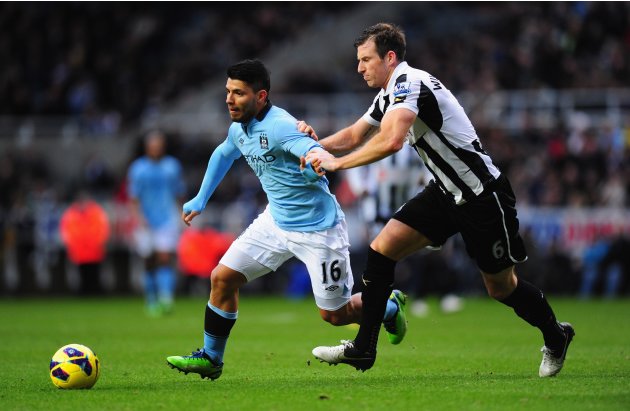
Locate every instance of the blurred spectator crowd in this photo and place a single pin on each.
(110, 64)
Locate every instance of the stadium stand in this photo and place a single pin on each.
(545, 83)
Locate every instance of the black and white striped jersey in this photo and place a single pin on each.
(442, 134)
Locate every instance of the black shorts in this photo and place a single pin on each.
(488, 224)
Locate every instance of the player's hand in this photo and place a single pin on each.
(192, 209)
(187, 218)
(322, 160)
(315, 165)
(305, 128)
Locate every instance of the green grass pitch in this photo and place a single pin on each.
(483, 358)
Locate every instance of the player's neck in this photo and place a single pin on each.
(392, 69)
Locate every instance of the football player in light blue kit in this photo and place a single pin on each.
(156, 187)
(302, 220)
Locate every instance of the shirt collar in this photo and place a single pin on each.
(259, 117)
(392, 80)
(262, 113)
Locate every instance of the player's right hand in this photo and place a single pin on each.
(191, 209)
(314, 166)
(322, 160)
(187, 218)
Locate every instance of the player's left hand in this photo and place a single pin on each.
(305, 128)
(322, 160)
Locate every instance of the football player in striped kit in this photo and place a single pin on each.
(469, 195)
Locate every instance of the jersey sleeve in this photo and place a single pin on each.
(220, 162)
(405, 95)
(293, 141)
(374, 115)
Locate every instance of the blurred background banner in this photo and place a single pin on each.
(546, 86)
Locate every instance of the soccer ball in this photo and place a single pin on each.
(74, 366)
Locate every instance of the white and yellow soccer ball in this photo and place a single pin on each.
(74, 366)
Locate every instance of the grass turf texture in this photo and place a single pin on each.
(483, 358)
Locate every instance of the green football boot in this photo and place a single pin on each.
(198, 362)
(396, 328)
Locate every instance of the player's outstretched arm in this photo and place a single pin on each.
(390, 139)
(220, 162)
(343, 140)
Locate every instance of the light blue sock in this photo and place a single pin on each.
(214, 345)
(166, 282)
(150, 288)
(390, 310)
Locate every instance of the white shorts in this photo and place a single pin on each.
(163, 239)
(263, 247)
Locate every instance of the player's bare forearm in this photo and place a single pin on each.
(380, 146)
(349, 138)
(344, 140)
(340, 142)
(389, 140)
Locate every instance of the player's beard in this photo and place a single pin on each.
(247, 113)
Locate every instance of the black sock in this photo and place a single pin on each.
(530, 304)
(378, 279)
(217, 325)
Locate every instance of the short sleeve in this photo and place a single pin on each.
(374, 115)
(405, 95)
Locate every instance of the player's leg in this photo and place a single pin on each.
(347, 314)
(222, 310)
(165, 279)
(420, 222)
(166, 239)
(396, 241)
(529, 303)
(378, 280)
(220, 315)
(490, 231)
(237, 267)
(326, 254)
(351, 312)
(150, 286)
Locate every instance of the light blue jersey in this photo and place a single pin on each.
(272, 146)
(157, 185)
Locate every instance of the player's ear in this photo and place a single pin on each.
(262, 95)
(391, 56)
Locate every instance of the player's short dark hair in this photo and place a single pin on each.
(386, 37)
(252, 72)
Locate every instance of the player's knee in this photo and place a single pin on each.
(501, 285)
(498, 293)
(226, 280)
(220, 281)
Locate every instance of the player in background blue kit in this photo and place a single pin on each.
(302, 220)
(156, 187)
